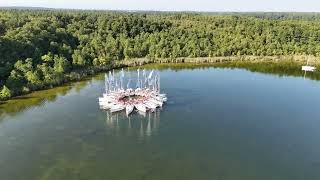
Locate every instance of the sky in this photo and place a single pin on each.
(175, 5)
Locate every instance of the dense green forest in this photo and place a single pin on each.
(44, 48)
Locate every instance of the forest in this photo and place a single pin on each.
(44, 48)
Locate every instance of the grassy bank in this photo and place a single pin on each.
(296, 59)
(284, 65)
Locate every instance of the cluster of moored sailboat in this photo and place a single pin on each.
(146, 96)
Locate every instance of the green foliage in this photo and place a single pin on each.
(16, 81)
(47, 58)
(34, 79)
(5, 93)
(78, 58)
(61, 64)
(24, 66)
(41, 48)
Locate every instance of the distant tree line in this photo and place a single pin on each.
(44, 48)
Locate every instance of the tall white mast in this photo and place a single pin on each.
(121, 79)
(106, 82)
(138, 82)
(159, 83)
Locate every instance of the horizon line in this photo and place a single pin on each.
(146, 10)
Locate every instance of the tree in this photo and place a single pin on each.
(33, 78)
(16, 81)
(61, 64)
(175, 51)
(5, 93)
(47, 58)
(24, 66)
(39, 48)
(78, 59)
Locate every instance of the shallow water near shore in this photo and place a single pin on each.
(219, 123)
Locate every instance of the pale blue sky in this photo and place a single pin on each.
(175, 5)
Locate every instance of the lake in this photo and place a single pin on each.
(219, 123)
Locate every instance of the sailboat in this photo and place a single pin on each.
(150, 105)
(141, 107)
(129, 109)
(117, 108)
(146, 96)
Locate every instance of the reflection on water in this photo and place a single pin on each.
(285, 68)
(220, 123)
(21, 103)
(281, 68)
(143, 124)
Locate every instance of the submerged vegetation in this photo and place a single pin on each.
(18, 104)
(43, 48)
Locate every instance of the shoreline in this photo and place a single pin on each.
(82, 74)
(211, 60)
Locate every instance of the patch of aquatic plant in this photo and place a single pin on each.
(18, 104)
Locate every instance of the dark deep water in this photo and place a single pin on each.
(218, 124)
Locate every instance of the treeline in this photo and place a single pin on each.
(44, 48)
(304, 16)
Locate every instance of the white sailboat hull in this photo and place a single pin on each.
(151, 105)
(129, 109)
(158, 103)
(117, 108)
(141, 107)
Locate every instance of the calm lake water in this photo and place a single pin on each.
(218, 124)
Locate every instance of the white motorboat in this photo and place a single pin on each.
(129, 109)
(308, 68)
(141, 107)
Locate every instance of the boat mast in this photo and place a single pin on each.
(106, 83)
(138, 84)
(121, 79)
(159, 83)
